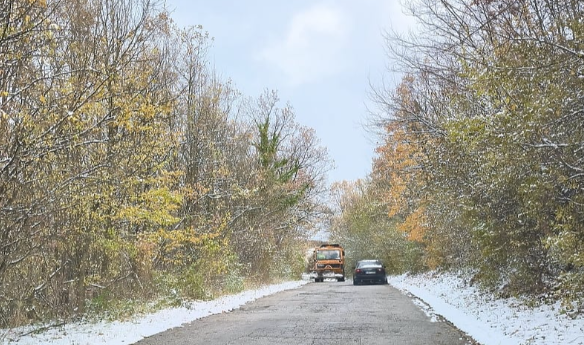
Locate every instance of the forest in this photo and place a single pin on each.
(480, 163)
(130, 172)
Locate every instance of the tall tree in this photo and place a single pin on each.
(496, 85)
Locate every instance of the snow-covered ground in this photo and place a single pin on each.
(128, 332)
(489, 321)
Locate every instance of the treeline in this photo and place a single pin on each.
(481, 166)
(130, 171)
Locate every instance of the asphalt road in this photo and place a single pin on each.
(318, 314)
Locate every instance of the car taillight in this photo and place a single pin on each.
(358, 270)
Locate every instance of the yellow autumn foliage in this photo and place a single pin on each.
(415, 225)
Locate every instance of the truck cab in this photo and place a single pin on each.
(328, 262)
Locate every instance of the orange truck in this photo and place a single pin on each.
(328, 261)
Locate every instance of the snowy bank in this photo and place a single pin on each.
(488, 320)
(131, 331)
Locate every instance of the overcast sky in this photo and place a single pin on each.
(319, 55)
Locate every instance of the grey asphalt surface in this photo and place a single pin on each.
(318, 314)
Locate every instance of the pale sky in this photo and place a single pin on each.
(320, 55)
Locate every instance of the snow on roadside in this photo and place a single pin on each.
(488, 320)
(132, 331)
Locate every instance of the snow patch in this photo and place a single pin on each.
(128, 332)
(488, 320)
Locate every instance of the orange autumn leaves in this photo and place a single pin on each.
(398, 166)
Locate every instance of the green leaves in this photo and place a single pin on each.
(365, 230)
(129, 169)
(502, 176)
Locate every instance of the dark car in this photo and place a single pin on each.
(369, 271)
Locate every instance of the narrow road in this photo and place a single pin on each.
(319, 314)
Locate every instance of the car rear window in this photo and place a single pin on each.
(365, 264)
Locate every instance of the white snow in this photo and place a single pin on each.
(128, 332)
(488, 320)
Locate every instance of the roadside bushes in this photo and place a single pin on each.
(130, 171)
(480, 158)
